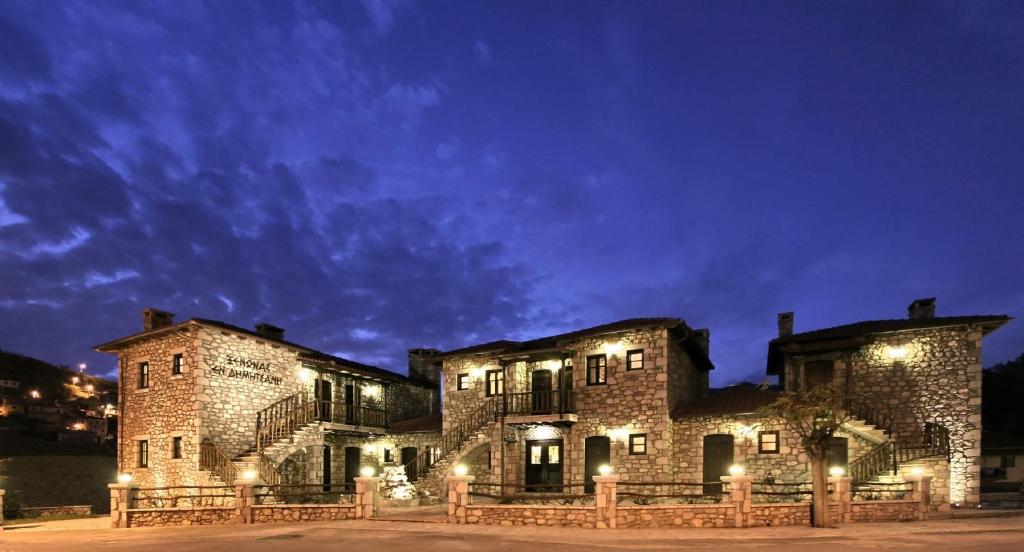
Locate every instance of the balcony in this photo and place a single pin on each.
(540, 406)
(351, 415)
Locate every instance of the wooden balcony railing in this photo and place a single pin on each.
(282, 419)
(214, 460)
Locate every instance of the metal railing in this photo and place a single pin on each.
(214, 460)
(303, 493)
(183, 496)
(539, 403)
(764, 491)
(864, 408)
(453, 440)
(887, 457)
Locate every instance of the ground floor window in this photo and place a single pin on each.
(143, 454)
(768, 442)
(176, 447)
(638, 443)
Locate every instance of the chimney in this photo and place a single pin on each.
(703, 338)
(153, 319)
(270, 331)
(785, 324)
(422, 366)
(922, 309)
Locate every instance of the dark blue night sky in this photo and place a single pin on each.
(384, 175)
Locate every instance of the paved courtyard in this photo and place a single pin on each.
(1003, 533)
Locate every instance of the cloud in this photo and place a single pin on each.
(481, 51)
(383, 13)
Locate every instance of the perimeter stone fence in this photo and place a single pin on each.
(736, 508)
(243, 507)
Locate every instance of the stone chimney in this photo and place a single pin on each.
(922, 309)
(703, 338)
(785, 324)
(270, 331)
(153, 319)
(421, 365)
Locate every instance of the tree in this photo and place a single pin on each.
(814, 416)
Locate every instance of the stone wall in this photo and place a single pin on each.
(884, 510)
(168, 407)
(790, 465)
(676, 515)
(50, 511)
(517, 514)
(181, 516)
(229, 397)
(938, 469)
(302, 512)
(406, 401)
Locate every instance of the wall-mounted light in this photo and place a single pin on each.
(917, 471)
(836, 471)
(124, 478)
(619, 434)
(896, 353)
(736, 470)
(370, 448)
(367, 471)
(553, 365)
(306, 375)
(477, 373)
(372, 391)
(461, 470)
(249, 475)
(604, 469)
(612, 349)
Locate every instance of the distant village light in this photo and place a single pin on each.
(34, 394)
(81, 367)
(74, 380)
(90, 388)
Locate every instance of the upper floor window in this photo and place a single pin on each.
(638, 443)
(176, 447)
(597, 370)
(495, 383)
(387, 456)
(768, 442)
(177, 364)
(143, 454)
(635, 359)
(462, 382)
(143, 375)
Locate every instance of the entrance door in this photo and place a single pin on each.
(351, 401)
(351, 466)
(541, 385)
(327, 468)
(838, 453)
(324, 396)
(597, 452)
(544, 465)
(718, 451)
(818, 373)
(409, 455)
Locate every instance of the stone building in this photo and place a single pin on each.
(634, 395)
(204, 402)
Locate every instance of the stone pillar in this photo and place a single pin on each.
(366, 490)
(921, 492)
(121, 497)
(841, 495)
(739, 496)
(606, 500)
(458, 497)
(2, 509)
(245, 499)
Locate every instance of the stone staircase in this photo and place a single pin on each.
(867, 431)
(432, 482)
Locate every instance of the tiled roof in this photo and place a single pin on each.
(431, 422)
(743, 398)
(852, 335)
(553, 341)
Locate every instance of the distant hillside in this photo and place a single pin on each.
(52, 382)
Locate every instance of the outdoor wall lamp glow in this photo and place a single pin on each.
(249, 475)
(612, 349)
(552, 365)
(917, 470)
(897, 353)
(620, 434)
(477, 373)
(736, 470)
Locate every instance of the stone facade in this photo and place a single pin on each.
(676, 515)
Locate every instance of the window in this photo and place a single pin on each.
(495, 383)
(462, 382)
(143, 375)
(768, 442)
(635, 359)
(597, 370)
(177, 364)
(143, 454)
(176, 448)
(387, 455)
(638, 443)
(1009, 461)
